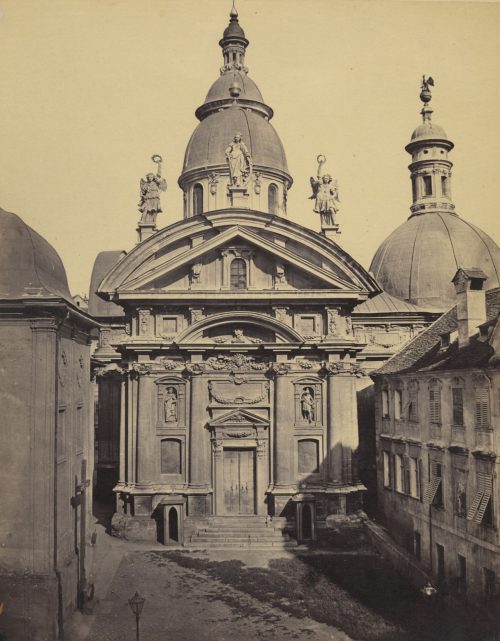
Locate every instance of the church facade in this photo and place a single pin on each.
(234, 341)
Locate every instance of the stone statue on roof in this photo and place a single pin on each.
(239, 160)
(325, 193)
(151, 186)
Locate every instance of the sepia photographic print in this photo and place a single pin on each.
(249, 320)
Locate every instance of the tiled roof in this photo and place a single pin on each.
(424, 352)
(408, 357)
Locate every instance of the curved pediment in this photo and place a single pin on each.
(188, 256)
(239, 328)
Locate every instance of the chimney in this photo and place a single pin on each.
(471, 302)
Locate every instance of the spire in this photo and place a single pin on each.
(430, 168)
(233, 45)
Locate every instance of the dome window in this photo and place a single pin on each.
(445, 186)
(272, 199)
(238, 274)
(197, 199)
(427, 185)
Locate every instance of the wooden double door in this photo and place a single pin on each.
(239, 481)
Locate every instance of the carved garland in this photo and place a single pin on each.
(238, 400)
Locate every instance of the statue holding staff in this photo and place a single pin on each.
(151, 186)
(325, 192)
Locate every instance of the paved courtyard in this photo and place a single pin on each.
(222, 595)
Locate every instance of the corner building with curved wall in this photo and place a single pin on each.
(229, 363)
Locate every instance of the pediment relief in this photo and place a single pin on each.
(274, 266)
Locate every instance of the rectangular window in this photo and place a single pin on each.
(435, 488)
(387, 469)
(398, 404)
(481, 407)
(399, 472)
(171, 456)
(308, 456)
(481, 509)
(489, 583)
(412, 403)
(462, 574)
(385, 403)
(458, 405)
(79, 429)
(444, 185)
(435, 404)
(440, 561)
(417, 545)
(414, 477)
(427, 185)
(308, 325)
(169, 325)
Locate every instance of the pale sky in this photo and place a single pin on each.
(92, 88)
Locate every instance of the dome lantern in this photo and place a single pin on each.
(430, 167)
(417, 261)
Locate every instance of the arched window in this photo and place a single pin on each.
(197, 199)
(238, 274)
(272, 198)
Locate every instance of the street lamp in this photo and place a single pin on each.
(136, 604)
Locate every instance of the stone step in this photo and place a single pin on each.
(261, 545)
(224, 536)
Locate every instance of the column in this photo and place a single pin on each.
(283, 432)
(122, 472)
(199, 473)
(342, 435)
(146, 455)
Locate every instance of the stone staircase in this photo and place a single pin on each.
(245, 532)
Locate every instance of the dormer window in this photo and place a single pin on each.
(238, 274)
(427, 185)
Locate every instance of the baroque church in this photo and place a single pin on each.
(235, 340)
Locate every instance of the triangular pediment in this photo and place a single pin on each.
(157, 270)
(239, 417)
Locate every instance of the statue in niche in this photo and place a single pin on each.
(170, 405)
(151, 186)
(325, 192)
(239, 160)
(307, 404)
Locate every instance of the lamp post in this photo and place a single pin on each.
(136, 604)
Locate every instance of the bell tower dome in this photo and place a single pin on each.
(234, 158)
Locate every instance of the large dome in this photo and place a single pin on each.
(29, 265)
(211, 137)
(418, 260)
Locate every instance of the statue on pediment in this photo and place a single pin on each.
(151, 186)
(239, 160)
(325, 193)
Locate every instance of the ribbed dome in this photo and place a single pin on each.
(220, 89)
(212, 136)
(29, 265)
(418, 260)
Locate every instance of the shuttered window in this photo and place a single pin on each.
(414, 477)
(458, 405)
(482, 498)
(398, 404)
(387, 469)
(481, 412)
(412, 402)
(385, 403)
(435, 403)
(434, 493)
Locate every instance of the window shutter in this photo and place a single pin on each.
(435, 404)
(481, 408)
(485, 483)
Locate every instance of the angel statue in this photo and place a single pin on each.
(151, 186)
(325, 191)
(240, 161)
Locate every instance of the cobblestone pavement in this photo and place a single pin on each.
(183, 604)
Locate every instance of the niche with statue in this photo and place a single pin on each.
(308, 402)
(171, 401)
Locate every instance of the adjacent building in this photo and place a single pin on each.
(438, 418)
(46, 457)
